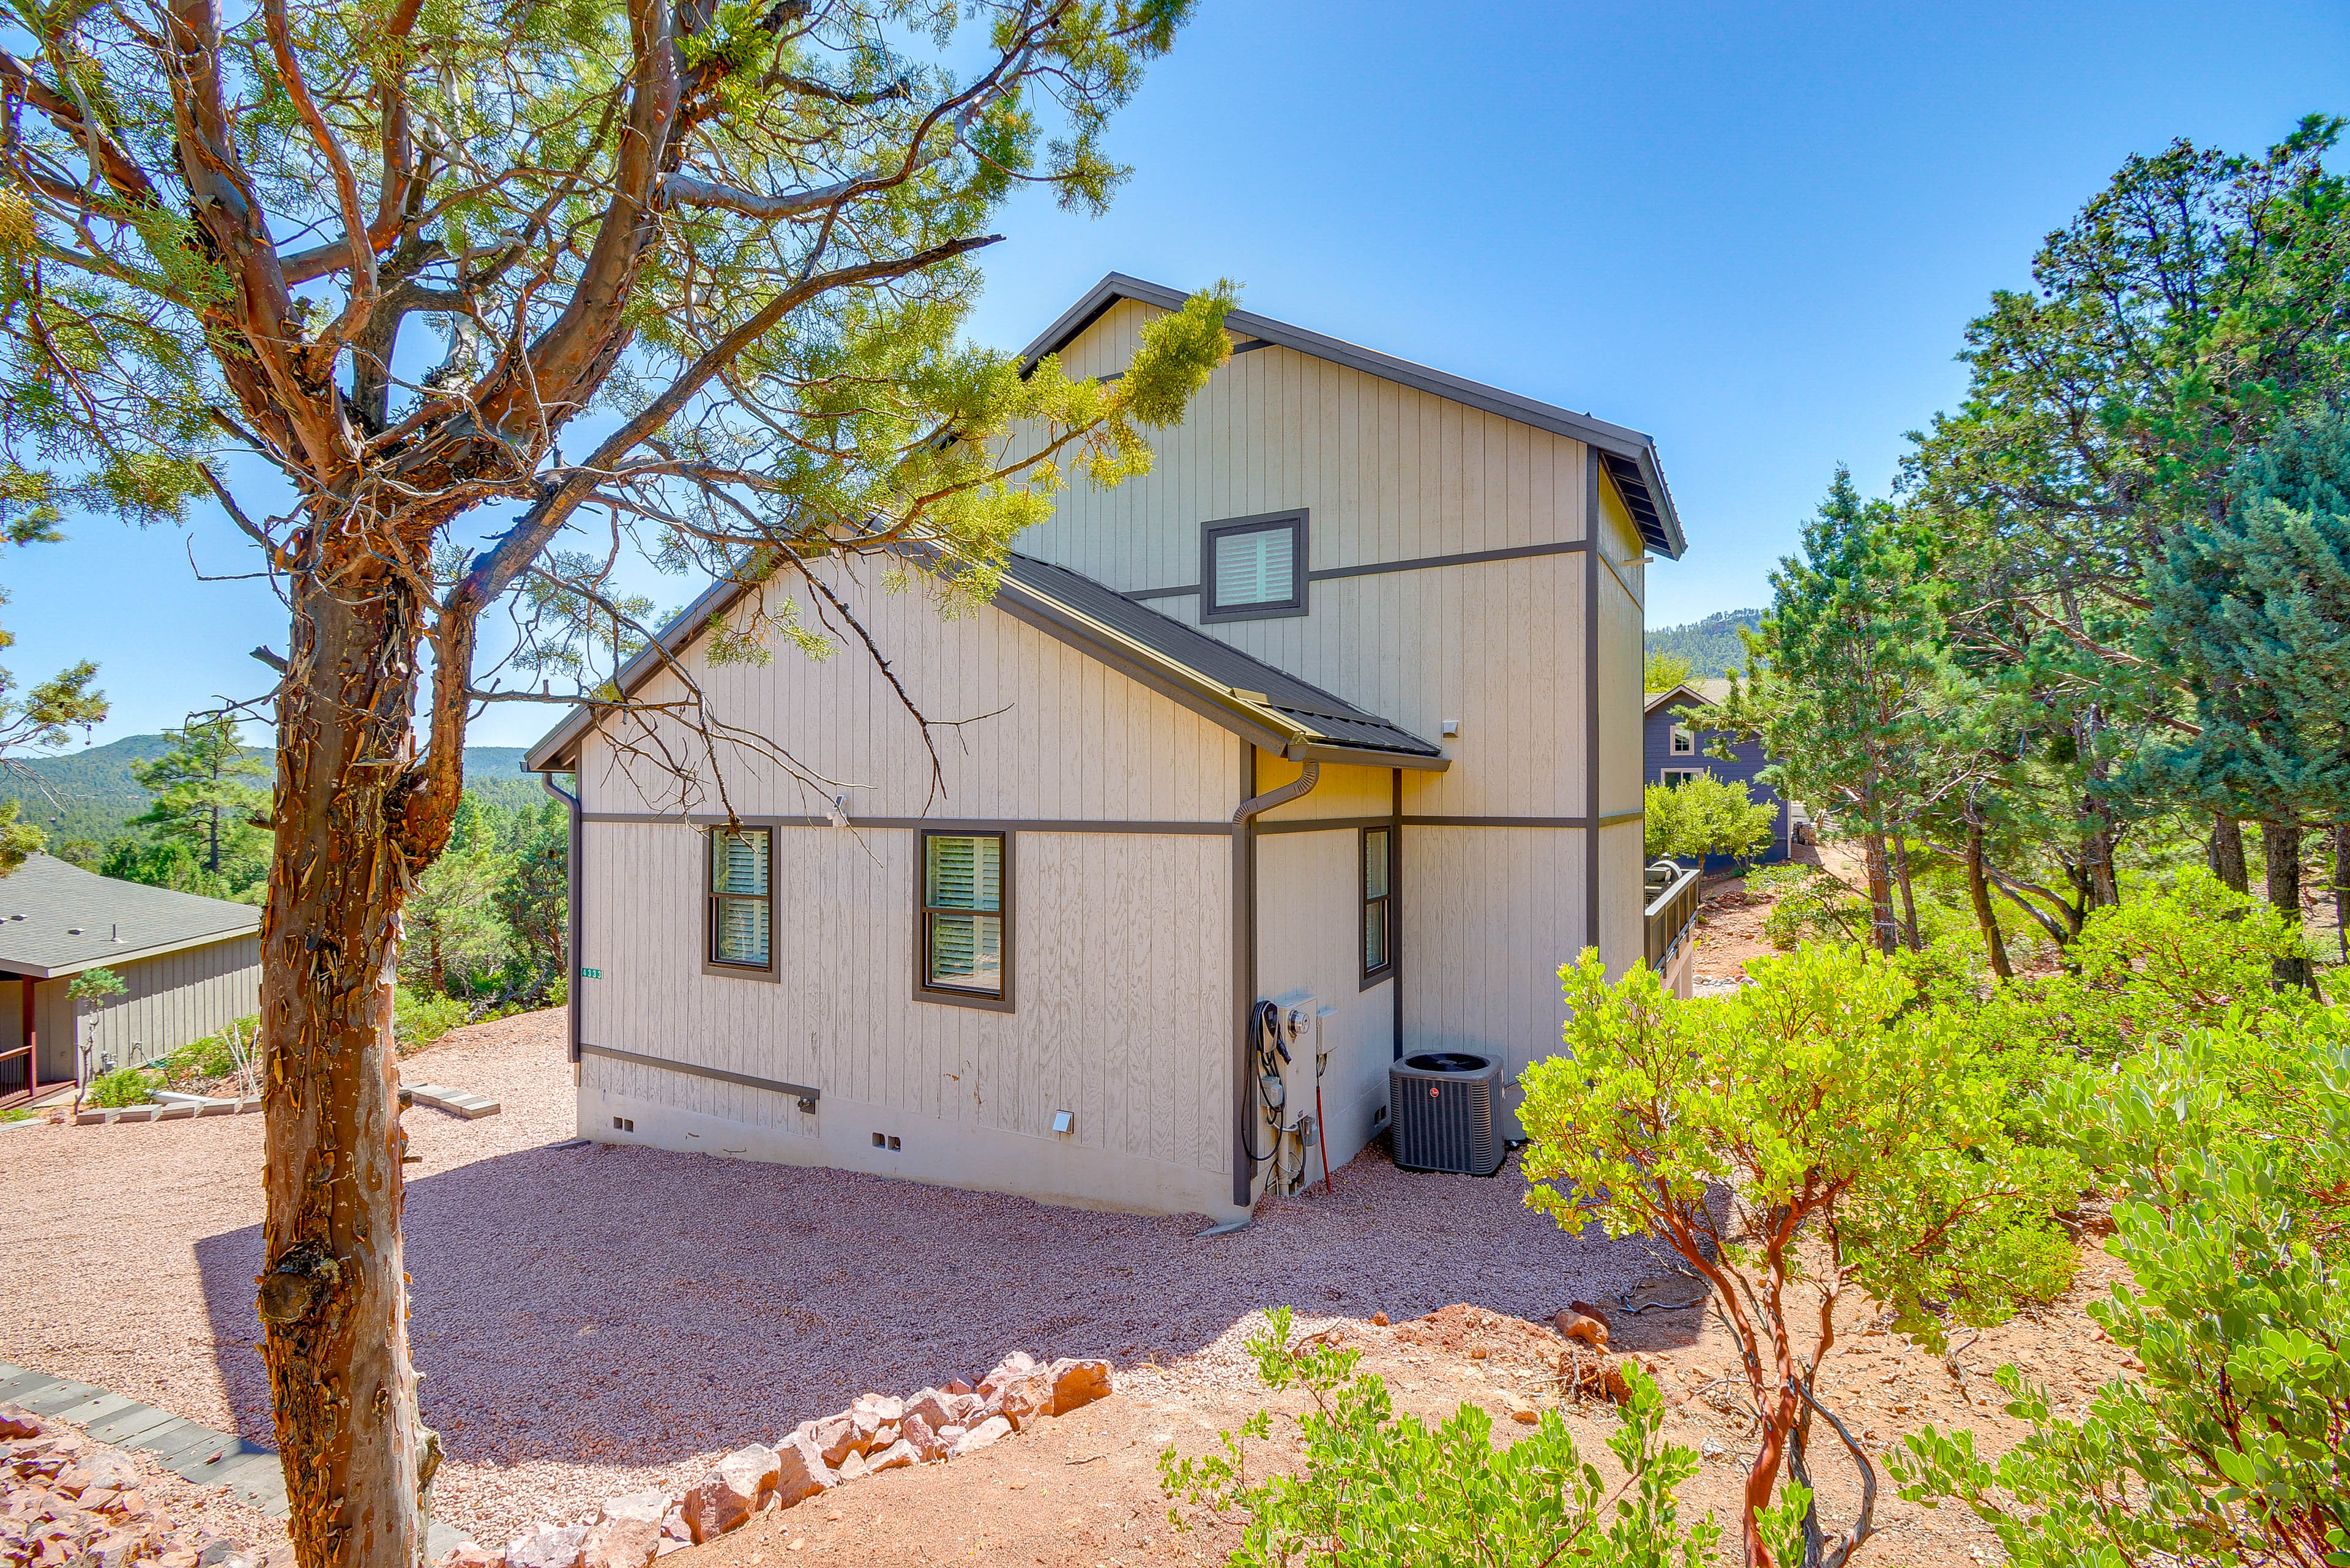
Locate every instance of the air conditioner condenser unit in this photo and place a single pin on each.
(1443, 1111)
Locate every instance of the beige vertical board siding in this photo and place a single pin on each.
(1623, 917)
(1309, 939)
(1339, 790)
(1041, 724)
(1489, 915)
(1120, 941)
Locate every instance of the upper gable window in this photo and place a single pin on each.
(1684, 744)
(1253, 568)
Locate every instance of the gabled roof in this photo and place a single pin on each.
(57, 918)
(1706, 691)
(1265, 706)
(1631, 457)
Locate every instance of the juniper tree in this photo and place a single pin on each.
(491, 290)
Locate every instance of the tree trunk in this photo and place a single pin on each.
(2342, 890)
(333, 1301)
(1912, 937)
(2281, 849)
(1979, 889)
(1880, 892)
(2227, 852)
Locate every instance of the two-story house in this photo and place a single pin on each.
(1342, 700)
(1675, 750)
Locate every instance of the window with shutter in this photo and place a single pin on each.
(1253, 568)
(963, 939)
(741, 920)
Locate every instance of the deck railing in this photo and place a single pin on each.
(1672, 911)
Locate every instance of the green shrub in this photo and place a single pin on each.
(1382, 1490)
(123, 1086)
(211, 1058)
(1862, 1141)
(1704, 816)
(2153, 969)
(418, 1018)
(2229, 1449)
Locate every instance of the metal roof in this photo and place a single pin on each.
(1629, 456)
(1247, 696)
(57, 918)
(1329, 722)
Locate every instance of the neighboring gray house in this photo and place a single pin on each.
(189, 966)
(1673, 751)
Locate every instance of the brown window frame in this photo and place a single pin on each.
(711, 964)
(1386, 970)
(1000, 1001)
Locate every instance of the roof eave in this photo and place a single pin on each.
(98, 961)
(1667, 539)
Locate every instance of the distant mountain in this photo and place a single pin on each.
(1711, 645)
(91, 794)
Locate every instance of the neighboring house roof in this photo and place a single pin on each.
(1711, 691)
(1631, 457)
(1247, 696)
(58, 919)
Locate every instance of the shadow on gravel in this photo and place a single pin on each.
(632, 1305)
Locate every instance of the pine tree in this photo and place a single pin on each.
(1844, 687)
(200, 795)
(2255, 613)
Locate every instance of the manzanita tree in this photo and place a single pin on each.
(1862, 1143)
(466, 276)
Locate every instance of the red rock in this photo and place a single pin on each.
(1021, 1399)
(723, 1499)
(927, 1444)
(850, 1468)
(621, 1544)
(557, 1548)
(876, 1417)
(985, 1435)
(652, 1507)
(471, 1554)
(1582, 1325)
(15, 1421)
(1379, 1320)
(801, 1472)
(957, 1385)
(1017, 1365)
(835, 1437)
(901, 1452)
(1076, 1383)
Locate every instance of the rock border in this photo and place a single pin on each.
(879, 1432)
(67, 1499)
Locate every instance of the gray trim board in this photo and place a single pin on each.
(806, 1097)
(1635, 453)
(1591, 698)
(1375, 568)
(933, 824)
(1321, 824)
(1565, 822)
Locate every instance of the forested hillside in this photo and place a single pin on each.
(1711, 645)
(91, 794)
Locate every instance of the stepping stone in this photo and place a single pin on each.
(97, 1409)
(58, 1396)
(19, 1381)
(175, 1437)
(456, 1102)
(125, 1429)
(199, 1466)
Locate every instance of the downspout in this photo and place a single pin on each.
(571, 914)
(1245, 958)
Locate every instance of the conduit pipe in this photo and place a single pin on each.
(1245, 962)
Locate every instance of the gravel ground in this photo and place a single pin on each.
(598, 1319)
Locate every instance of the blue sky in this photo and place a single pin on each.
(1755, 231)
